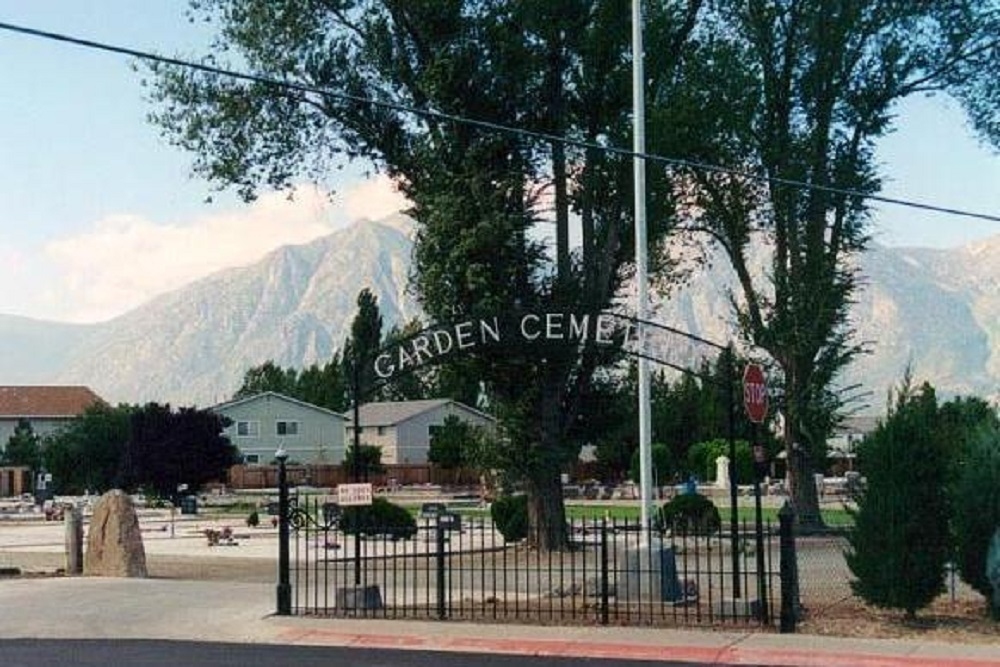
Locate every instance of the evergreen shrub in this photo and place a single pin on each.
(976, 507)
(510, 516)
(689, 513)
(900, 541)
(380, 518)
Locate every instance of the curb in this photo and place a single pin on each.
(732, 654)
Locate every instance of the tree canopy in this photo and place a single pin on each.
(168, 448)
(780, 91)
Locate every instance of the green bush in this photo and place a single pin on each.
(688, 514)
(900, 541)
(510, 516)
(379, 518)
(702, 455)
(976, 507)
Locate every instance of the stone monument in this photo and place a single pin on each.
(114, 542)
(722, 472)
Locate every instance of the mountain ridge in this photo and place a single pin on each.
(935, 309)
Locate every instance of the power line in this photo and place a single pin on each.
(483, 124)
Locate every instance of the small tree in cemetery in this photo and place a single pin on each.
(369, 461)
(900, 541)
(453, 444)
(23, 448)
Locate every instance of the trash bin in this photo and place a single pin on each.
(189, 505)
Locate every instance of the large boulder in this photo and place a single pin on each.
(114, 542)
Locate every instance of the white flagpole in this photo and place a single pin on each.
(641, 251)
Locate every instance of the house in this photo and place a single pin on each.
(842, 446)
(46, 408)
(263, 422)
(403, 429)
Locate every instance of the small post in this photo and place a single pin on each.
(284, 590)
(789, 569)
(759, 463)
(356, 463)
(442, 611)
(604, 571)
(734, 528)
(74, 540)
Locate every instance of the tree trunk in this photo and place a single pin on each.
(546, 511)
(546, 508)
(800, 475)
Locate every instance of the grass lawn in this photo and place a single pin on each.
(834, 517)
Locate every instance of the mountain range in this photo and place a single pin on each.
(937, 311)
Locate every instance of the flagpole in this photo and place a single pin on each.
(642, 281)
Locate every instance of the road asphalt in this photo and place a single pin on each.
(220, 611)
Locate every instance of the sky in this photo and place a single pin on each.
(98, 213)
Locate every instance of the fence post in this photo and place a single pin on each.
(604, 571)
(74, 540)
(284, 590)
(789, 569)
(441, 606)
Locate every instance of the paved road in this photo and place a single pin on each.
(101, 653)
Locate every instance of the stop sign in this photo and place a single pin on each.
(755, 393)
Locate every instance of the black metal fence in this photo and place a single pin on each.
(460, 567)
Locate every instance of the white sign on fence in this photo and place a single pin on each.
(354, 494)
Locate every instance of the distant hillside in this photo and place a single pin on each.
(294, 306)
(938, 310)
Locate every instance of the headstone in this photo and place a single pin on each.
(993, 572)
(114, 542)
(722, 472)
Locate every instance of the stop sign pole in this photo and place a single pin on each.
(755, 403)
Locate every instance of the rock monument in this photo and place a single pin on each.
(114, 542)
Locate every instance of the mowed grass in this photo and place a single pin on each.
(834, 517)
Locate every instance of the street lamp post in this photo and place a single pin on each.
(284, 584)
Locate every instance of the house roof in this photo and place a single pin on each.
(390, 413)
(273, 394)
(46, 401)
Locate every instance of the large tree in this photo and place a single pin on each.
(86, 454)
(480, 196)
(813, 85)
(167, 448)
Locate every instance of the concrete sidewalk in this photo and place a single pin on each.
(91, 608)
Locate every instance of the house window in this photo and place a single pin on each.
(433, 430)
(247, 429)
(381, 430)
(251, 458)
(288, 428)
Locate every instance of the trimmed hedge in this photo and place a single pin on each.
(510, 516)
(689, 513)
(379, 518)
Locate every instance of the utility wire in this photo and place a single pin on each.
(483, 124)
